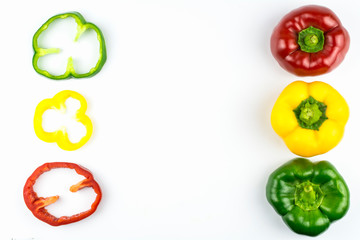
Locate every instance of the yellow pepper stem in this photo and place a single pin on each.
(310, 113)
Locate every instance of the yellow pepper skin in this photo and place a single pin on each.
(60, 136)
(323, 130)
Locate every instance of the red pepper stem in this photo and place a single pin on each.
(311, 40)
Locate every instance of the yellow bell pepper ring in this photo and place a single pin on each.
(310, 117)
(60, 136)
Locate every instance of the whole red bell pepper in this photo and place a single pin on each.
(309, 41)
(37, 204)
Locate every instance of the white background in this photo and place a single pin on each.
(182, 144)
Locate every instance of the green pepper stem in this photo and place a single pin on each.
(308, 188)
(308, 196)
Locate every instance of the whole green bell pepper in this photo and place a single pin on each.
(82, 26)
(308, 196)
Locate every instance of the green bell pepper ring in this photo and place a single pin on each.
(308, 196)
(82, 26)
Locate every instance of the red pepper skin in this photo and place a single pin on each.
(37, 204)
(286, 50)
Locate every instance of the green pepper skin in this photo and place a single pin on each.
(308, 196)
(70, 71)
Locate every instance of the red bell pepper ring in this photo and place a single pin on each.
(310, 41)
(37, 204)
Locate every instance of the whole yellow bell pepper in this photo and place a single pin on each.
(310, 117)
(60, 136)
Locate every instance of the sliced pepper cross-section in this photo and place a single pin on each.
(60, 136)
(82, 27)
(37, 205)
